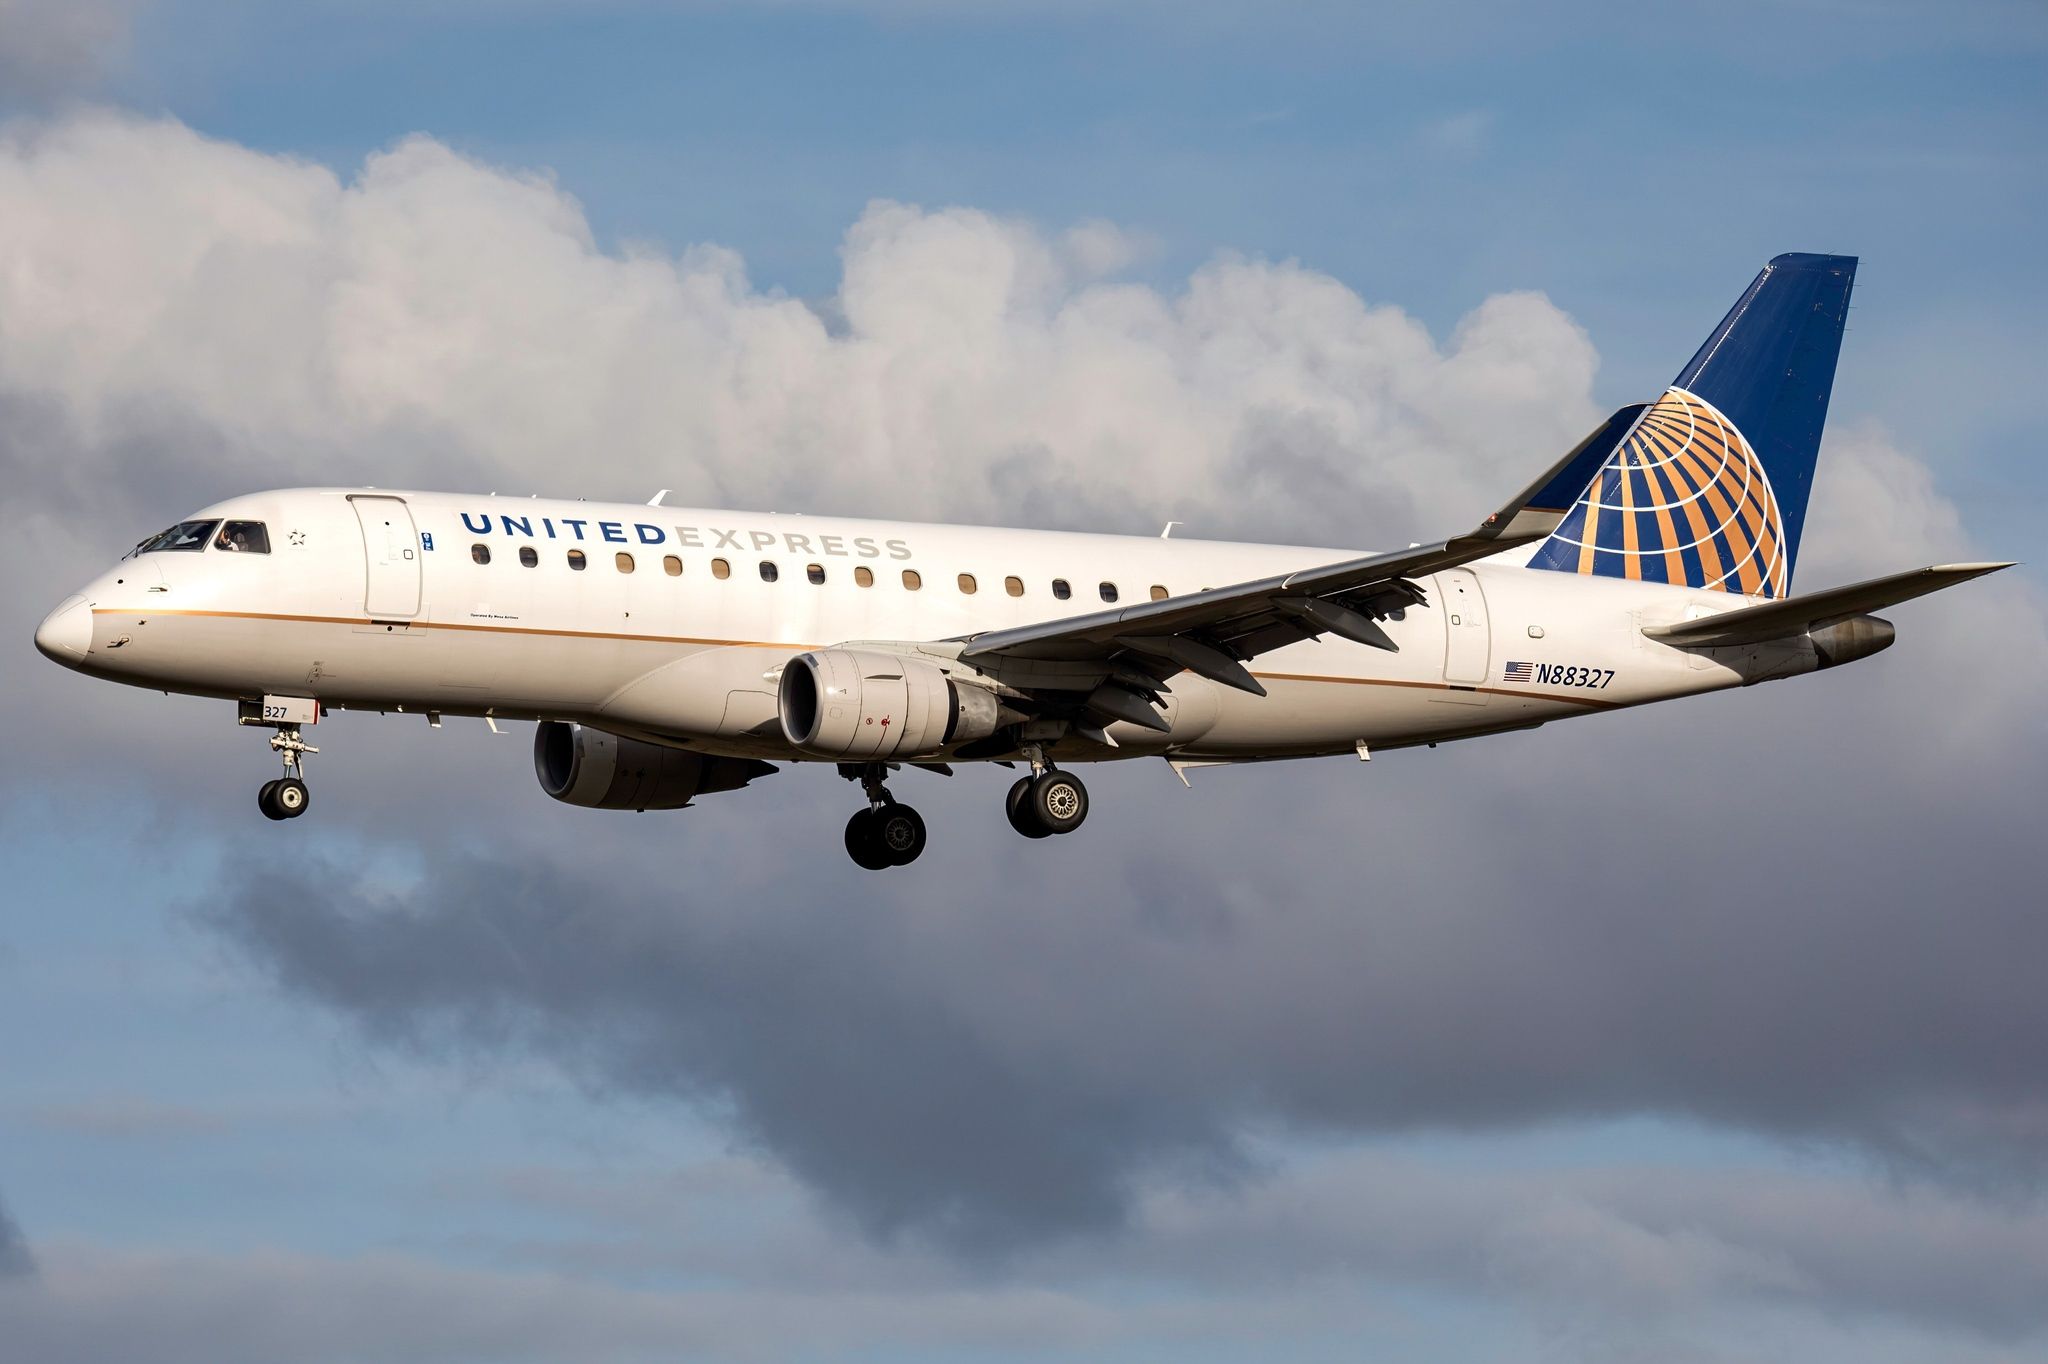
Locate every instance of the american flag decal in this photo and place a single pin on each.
(1521, 672)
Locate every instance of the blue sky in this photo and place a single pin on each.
(196, 1107)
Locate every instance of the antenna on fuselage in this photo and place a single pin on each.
(655, 500)
(1167, 534)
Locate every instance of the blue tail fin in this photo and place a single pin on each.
(1709, 488)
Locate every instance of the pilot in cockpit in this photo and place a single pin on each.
(242, 537)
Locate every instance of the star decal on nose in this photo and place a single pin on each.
(298, 539)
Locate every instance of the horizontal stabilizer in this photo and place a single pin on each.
(1797, 615)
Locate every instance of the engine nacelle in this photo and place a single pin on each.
(1848, 640)
(579, 765)
(853, 704)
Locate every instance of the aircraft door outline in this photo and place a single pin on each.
(1468, 639)
(391, 558)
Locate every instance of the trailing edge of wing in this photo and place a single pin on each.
(1797, 615)
(1530, 515)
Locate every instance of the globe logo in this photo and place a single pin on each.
(1683, 499)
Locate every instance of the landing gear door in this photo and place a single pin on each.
(391, 554)
(1468, 642)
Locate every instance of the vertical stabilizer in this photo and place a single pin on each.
(1709, 488)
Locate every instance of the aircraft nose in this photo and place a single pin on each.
(66, 633)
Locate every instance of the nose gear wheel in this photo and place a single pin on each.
(287, 797)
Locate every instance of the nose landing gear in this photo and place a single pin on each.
(288, 796)
(885, 834)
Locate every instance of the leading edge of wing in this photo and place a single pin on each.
(1529, 515)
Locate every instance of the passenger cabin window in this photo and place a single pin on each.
(911, 582)
(769, 572)
(864, 576)
(480, 554)
(816, 573)
(1108, 591)
(720, 569)
(967, 583)
(1158, 593)
(186, 537)
(671, 565)
(1014, 586)
(577, 561)
(624, 561)
(1060, 590)
(529, 556)
(243, 537)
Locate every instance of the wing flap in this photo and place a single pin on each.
(1797, 615)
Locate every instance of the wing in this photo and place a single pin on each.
(1122, 655)
(1797, 615)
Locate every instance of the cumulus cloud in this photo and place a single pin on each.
(447, 319)
(1698, 910)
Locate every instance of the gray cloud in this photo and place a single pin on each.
(1014, 1062)
(1805, 911)
(15, 1259)
(1639, 1242)
(51, 47)
(1628, 1262)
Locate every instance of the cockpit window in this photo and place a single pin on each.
(186, 535)
(243, 537)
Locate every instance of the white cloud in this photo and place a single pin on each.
(435, 304)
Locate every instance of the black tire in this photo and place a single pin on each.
(266, 801)
(291, 797)
(861, 843)
(899, 833)
(1017, 805)
(1058, 801)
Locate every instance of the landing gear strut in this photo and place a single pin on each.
(1048, 801)
(885, 834)
(288, 796)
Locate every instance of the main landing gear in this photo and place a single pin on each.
(1048, 801)
(885, 834)
(288, 796)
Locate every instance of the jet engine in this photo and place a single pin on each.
(579, 765)
(1848, 640)
(856, 705)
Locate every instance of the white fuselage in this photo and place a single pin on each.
(377, 600)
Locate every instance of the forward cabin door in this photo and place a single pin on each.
(391, 554)
(1468, 642)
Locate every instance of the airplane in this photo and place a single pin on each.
(669, 654)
